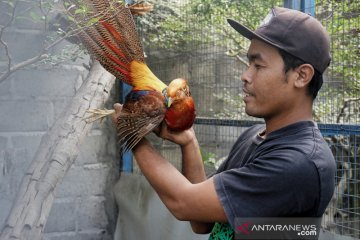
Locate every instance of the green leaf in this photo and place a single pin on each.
(71, 18)
(77, 11)
(93, 20)
(11, 4)
(34, 16)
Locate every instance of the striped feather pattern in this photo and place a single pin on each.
(112, 37)
(143, 111)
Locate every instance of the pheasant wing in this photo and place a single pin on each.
(143, 111)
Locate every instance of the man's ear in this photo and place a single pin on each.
(305, 73)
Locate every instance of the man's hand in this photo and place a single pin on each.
(182, 138)
(114, 117)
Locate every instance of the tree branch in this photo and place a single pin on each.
(345, 105)
(22, 65)
(2, 30)
(43, 52)
(57, 152)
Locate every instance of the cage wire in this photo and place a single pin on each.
(192, 40)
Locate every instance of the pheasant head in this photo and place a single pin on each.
(180, 114)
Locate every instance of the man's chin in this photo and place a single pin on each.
(253, 113)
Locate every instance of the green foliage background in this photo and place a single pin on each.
(182, 26)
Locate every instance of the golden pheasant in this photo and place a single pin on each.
(107, 30)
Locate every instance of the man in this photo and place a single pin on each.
(281, 169)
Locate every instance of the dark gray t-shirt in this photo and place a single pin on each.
(289, 174)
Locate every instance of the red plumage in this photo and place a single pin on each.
(181, 114)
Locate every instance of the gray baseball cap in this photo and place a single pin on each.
(295, 32)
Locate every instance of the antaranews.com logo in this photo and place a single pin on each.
(277, 228)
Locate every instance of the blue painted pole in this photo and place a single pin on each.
(306, 6)
(126, 158)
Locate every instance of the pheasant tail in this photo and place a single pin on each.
(107, 29)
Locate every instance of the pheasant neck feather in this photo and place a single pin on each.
(143, 79)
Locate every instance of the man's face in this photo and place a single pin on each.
(267, 92)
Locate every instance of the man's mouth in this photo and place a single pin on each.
(247, 93)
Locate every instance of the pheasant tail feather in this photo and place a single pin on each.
(107, 30)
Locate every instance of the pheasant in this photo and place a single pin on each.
(107, 30)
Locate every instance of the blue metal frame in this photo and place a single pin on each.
(326, 129)
(339, 129)
(306, 6)
(129, 2)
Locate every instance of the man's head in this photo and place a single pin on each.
(269, 91)
(299, 38)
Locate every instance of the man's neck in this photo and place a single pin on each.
(280, 121)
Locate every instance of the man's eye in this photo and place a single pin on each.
(257, 66)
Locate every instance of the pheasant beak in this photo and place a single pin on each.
(169, 101)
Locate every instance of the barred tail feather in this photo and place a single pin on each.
(102, 55)
(112, 38)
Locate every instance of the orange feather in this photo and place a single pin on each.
(124, 72)
(115, 49)
(112, 31)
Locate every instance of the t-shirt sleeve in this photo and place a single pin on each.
(268, 187)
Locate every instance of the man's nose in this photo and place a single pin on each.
(246, 76)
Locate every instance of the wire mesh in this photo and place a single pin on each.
(343, 213)
(191, 39)
(338, 101)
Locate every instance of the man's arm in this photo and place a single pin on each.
(185, 200)
(191, 197)
(192, 167)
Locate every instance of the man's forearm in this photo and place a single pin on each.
(192, 165)
(167, 181)
(193, 170)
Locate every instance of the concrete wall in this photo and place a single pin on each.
(142, 215)
(30, 101)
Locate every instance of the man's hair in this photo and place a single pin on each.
(291, 62)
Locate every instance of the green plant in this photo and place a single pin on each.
(208, 158)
